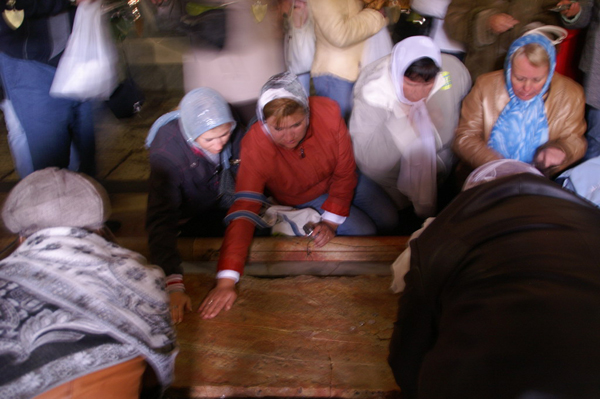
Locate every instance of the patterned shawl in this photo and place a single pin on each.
(72, 303)
(522, 125)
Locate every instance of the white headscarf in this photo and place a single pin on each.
(282, 85)
(418, 165)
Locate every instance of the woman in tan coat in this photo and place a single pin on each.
(525, 112)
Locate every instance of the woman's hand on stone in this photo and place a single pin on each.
(219, 298)
(323, 233)
(180, 302)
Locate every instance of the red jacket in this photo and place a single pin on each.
(323, 163)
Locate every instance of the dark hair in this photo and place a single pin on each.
(282, 107)
(423, 69)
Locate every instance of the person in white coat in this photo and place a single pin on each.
(406, 108)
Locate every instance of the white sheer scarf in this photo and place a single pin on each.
(418, 166)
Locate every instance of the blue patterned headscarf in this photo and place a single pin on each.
(522, 125)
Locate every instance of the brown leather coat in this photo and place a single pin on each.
(564, 105)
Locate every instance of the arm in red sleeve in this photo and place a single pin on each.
(239, 233)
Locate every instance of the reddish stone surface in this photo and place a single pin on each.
(290, 337)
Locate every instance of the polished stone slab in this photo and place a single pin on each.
(290, 337)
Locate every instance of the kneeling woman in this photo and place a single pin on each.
(191, 152)
(299, 152)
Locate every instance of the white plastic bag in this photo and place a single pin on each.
(300, 46)
(289, 221)
(88, 68)
(377, 46)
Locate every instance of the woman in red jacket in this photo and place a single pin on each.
(299, 152)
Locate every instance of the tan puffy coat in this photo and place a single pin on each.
(564, 105)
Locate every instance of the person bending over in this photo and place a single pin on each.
(81, 316)
(502, 296)
(299, 151)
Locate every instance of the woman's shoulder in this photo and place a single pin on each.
(256, 143)
(324, 110)
(565, 86)
(169, 143)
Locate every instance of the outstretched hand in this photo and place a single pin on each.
(180, 302)
(219, 298)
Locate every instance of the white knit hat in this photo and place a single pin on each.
(55, 197)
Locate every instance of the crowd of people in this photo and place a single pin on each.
(375, 140)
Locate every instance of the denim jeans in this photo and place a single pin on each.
(372, 211)
(19, 147)
(593, 132)
(51, 125)
(338, 89)
(304, 79)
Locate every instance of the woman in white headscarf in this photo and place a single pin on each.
(298, 151)
(406, 107)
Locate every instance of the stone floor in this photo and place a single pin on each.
(300, 336)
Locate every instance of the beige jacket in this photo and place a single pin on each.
(564, 105)
(341, 28)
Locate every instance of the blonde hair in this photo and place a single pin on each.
(281, 108)
(536, 55)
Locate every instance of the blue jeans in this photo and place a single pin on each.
(51, 125)
(372, 211)
(304, 79)
(338, 89)
(18, 145)
(593, 132)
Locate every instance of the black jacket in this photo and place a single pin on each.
(33, 40)
(503, 297)
(183, 185)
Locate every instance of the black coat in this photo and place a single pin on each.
(503, 297)
(184, 185)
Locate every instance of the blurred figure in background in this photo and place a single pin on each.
(406, 108)
(526, 112)
(253, 52)
(81, 317)
(436, 11)
(299, 41)
(341, 29)
(488, 27)
(42, 130)
(194, 155)
(586, 13)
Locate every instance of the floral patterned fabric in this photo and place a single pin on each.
(72, 303)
